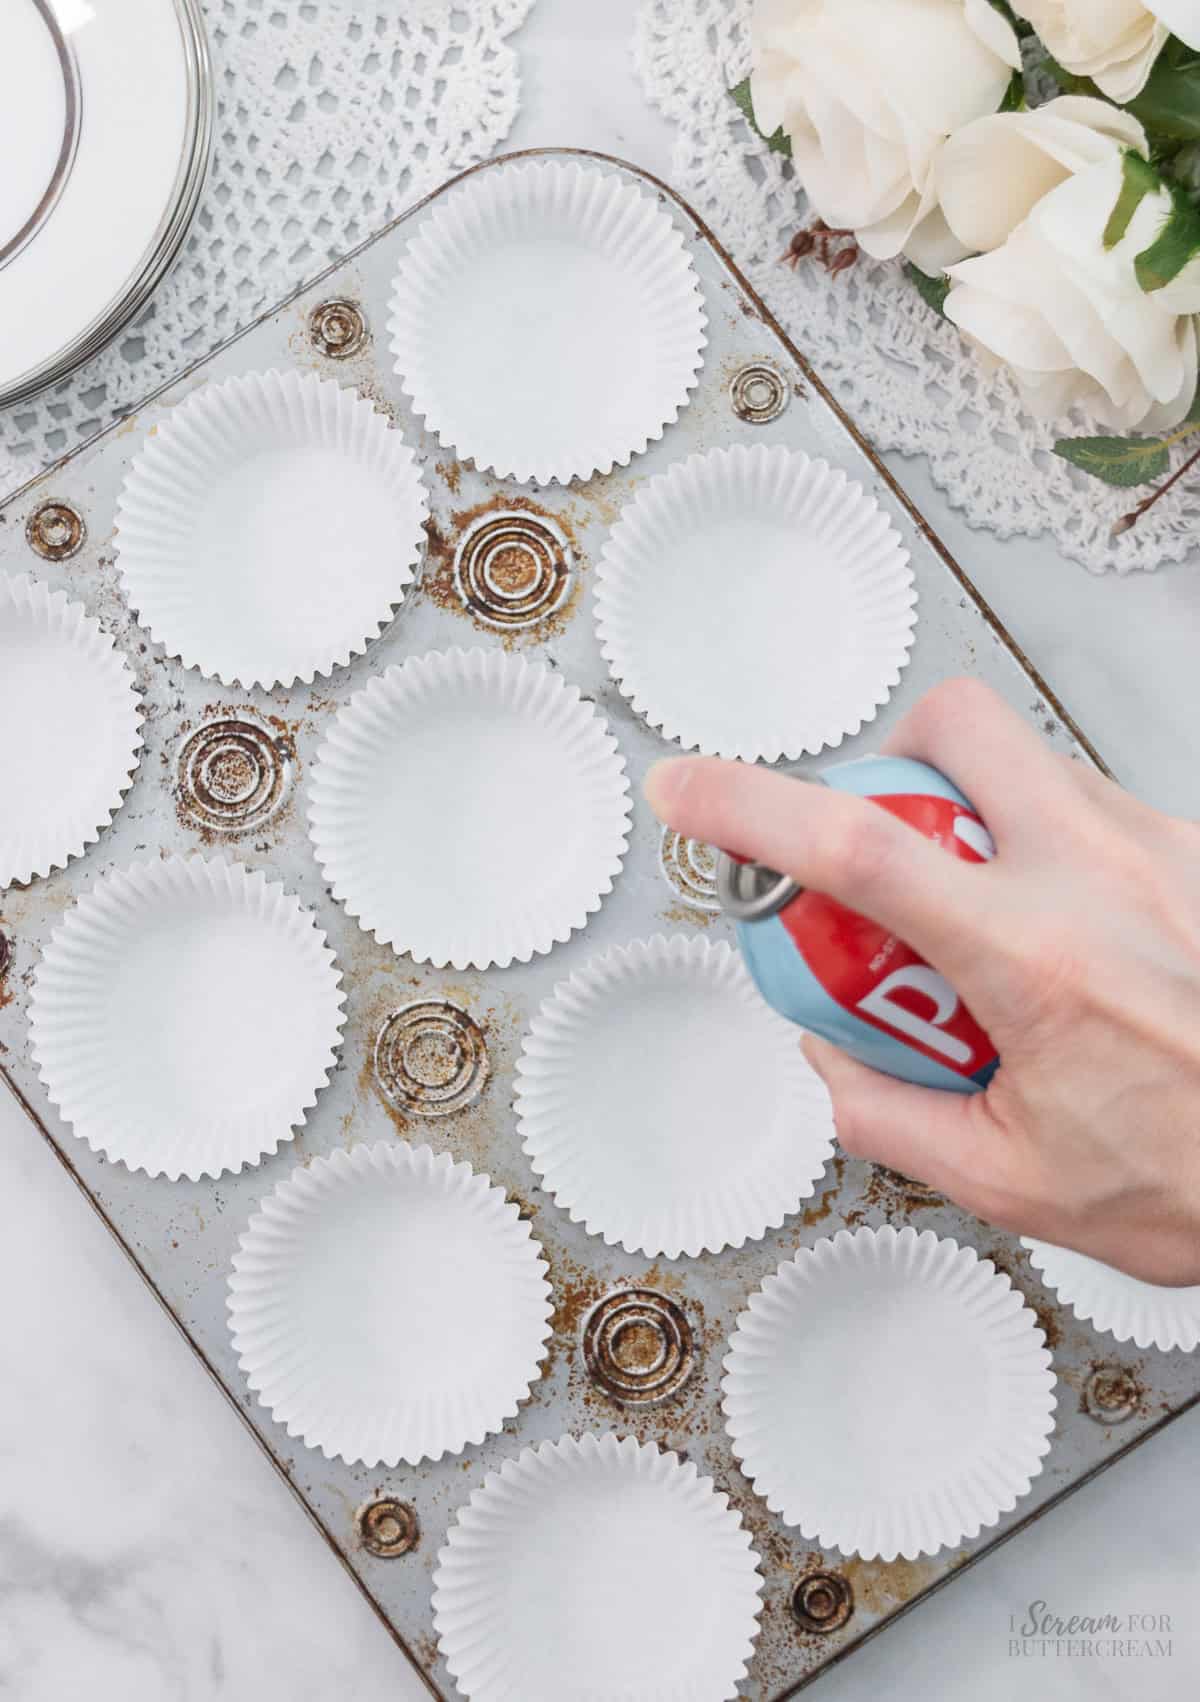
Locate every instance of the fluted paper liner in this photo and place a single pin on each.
(268, 528)
(1122, 1306)
(594, 1568)
(468, 807)
(755, 603)
(71, 722)
(547, 321)
(184, 1016)
(889, 1393)
(665, 1105)
(388, 1304)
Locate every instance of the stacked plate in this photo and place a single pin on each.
(99, 186)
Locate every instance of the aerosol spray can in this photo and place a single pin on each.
(848, 978)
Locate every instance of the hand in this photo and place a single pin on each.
(1077, 948)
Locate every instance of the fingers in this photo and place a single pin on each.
(1006, 769)
(946, 1140)
(956, 1145)
(834, 843)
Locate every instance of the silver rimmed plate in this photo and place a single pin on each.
(105, 122)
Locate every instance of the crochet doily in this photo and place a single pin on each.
(332, 116)
(904, 375)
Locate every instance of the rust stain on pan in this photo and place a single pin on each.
(387, 1527)
(638, 1346)
(822, 1602)
(513, 569)
(821, 1208)
(879, 1586)
(507, 565)
(1112, 1393)
(894, 1195)
(1014, 1263)
(55, 531)
(338, 328)
(431, 1058)
(690, 868)
(759, 392)
(233, 774)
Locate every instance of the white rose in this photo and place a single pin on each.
(1115, 42)
(868, 91)
(1064, 312)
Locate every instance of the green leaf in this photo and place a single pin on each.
(1067, 81)
(933, 291)
(1184, 166)
(1176, 243)
(1169, 105)
(1138, 179)
(1121, 461)
(779, 143)
(1014, 94)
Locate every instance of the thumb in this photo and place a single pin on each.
(933, 1137)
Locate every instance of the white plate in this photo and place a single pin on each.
(547, 321)
(468, 807)
(269, 527)
(665, 1106)
(104, 124)
(184, 1016)
(595, 1569)
(1141, 1312)
(912, 1370)
(387, 1304)
(755, 603)
(71, 720)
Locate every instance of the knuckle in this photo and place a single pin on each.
(958, 701)
(1047, 968)
(856, 848)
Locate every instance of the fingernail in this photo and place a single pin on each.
(663, 784)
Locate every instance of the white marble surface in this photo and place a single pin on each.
(147, 1550)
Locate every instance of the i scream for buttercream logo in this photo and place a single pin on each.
(1039, 1633)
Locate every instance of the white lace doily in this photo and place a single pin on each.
(905, 376)
(332, 117)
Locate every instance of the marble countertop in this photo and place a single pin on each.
(148, 1551)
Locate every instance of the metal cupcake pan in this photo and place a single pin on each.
(149, 264)
(430, 1054)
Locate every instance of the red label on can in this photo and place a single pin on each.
(876, 976)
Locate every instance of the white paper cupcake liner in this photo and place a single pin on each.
(1120, 1305)
(468, 807)
(185, 1014)
(387, 1304)
(268, 528)
(666, 1106)
(911, 1370)
(71, 721)
(592, 1569)
(547, 321)
(754, 603)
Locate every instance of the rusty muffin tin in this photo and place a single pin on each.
(429, 1054)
